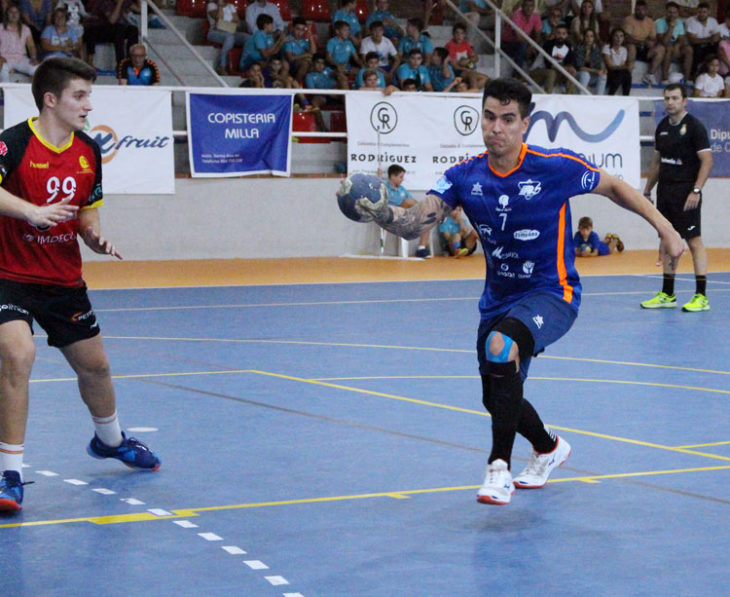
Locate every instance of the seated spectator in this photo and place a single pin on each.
(262, 7)
(586, 18)
(400, 196)
(323, 77)
(459, 85)
(723, 48)
(372, 62)
(225, 29)
(616, 59)
(299, 49)
(108, 22)
(530, 23)
(348, 14)
(671, 34)
(709, 83)
(703, 33)
(428, 8)
(37, 14)
(440, 71)
(588, 244)
(340, 49)
(263, 45)
(413, 69)
(414, 38)
(641, 42)
(372, 81)
(138, 69)
(393, 31)
(480, 16)
(588, 59)
(75, 13)
(456, 234)
(388, 57)
(18, 51)
(409, 85)
(276, 74)
(562, 52)
(554, 18)
(254, 78)
(562, 5)
(687, 8)
(463, 58)
(575, 6)
(59, 39)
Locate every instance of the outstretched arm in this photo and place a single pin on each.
(621, 193)
(37, 215)
(408, 223)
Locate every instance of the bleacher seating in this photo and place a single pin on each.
(284, 9)
(361, 10)
(316, 10)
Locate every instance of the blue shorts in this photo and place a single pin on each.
(546, 316)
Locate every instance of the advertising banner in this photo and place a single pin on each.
(133, 128)
(715, 115)
(237, 135)
(427, 134)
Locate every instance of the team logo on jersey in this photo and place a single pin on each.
(442, 185)
(83, 162)
(503, 203)
(42, 166)
(477, 190)
(485, 231)
(587, 181)
(3, 148)
(500, 254)
(526, 234)
(529, 188)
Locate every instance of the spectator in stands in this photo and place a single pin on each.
(59, 39)
(388, 57)
(562, 5)
(262, 7)
(671, 34)
(348, 14)
(75, 13)
(641, 42)
(400, 196)
(428, 8)
(440, 71)
(372, 63)
(17, 49)
(340, 49)
(37, 15)
(687, 8)
(530, 23)
(225, 29)
(409, 85)
(575, 6)
(709, 83)
(108, 22)
(456, 235)
(459, 85)
(586, 18)
(393, 31)
(414, 69)
(480, 16)
(262, 45)
(463, 58)
(554, 18)
(588, 59)
(276, 75)
(703, 33)
(299, 49)
(138, 69)
(414, 38)
(723, 48)
(562, 52)
(254, 78)
(616, 59)
(372, 81)
(323, 77)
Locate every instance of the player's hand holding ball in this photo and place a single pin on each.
(362, 197)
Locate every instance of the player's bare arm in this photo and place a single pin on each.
(629, 198)
(693, 199)
(89, 227)
(653, 175)
(38, 215)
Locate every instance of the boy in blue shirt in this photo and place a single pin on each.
(262, 45)
(347, 14)
(440, 70)
(415, 39)
(371, 64)
(588, 244)
(414, 69)
(299, 49)
(400, 196)
(340, 50)
(382, 14)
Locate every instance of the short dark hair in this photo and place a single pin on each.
(299, 21)
(506, 90)
(262, 20)
(414, 51)
(375, 25)
(53, 76)
(457, 27)
(371, 55)
(416, 22)
(670, 3)
(340, 24)
(395, 169)
(673, 86)
(642, 2)
(585, 221)
(442, 52)
(703, 5)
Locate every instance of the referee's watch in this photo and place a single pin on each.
(697, 190)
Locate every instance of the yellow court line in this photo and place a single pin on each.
(705, 445)
(397, 494)
(482, 413)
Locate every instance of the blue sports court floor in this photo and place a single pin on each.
(328, 440)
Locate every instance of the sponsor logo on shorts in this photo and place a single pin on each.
(538, 321)
(80, 316)
(7, 307)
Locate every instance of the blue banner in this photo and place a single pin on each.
(715, 115)
(236, 135)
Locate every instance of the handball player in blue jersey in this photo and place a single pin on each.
(517, 198)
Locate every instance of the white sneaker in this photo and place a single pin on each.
(498, 487)
(540, 466)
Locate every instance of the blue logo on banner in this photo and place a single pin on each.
(239, 134)
(552, 124)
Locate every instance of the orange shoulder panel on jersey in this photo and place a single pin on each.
(564, 155)
(521, 157)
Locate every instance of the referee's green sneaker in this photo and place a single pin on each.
(698, 303)
(663, 301)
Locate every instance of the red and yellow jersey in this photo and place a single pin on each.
(41, 173)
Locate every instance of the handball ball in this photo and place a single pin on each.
(359, 186)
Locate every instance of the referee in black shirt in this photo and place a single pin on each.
(681, 164)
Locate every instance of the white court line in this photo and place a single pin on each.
(186, 524)
(256, 564)
(210, 536)
(234, 550)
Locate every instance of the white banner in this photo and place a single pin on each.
(133, 128)
(427, 134)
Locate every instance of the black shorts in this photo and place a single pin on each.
(642, 52)
(670, 202)
(64, 313)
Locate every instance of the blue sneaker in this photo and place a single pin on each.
(11, 492)
(131, 452)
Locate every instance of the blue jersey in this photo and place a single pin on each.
(397, 196)
(341, 50)
(252, 48)
(350, 18)
(523, 221)
(297, 47)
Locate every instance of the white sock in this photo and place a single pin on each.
(108, 430)
(11, 458)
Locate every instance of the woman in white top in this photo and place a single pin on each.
(224, 29)
(615, 56)
(710, 83)
(17, 49)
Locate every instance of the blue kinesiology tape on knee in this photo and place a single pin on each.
(503, 356)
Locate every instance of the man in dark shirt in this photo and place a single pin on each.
(560, 50)
(108, 23)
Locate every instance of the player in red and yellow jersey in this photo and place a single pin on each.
(50, 174)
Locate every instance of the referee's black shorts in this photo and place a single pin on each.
(670, 202)
(64, 313)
